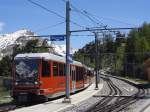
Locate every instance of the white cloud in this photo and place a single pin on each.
(2, 24)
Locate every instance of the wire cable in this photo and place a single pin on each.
(55, 13)
(82, 35)
(97, 17)
(48, 10)
(48, 27)
(84, 13)
(92, 17)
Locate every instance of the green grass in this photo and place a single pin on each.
(4, 95)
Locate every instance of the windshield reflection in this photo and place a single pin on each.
(26, 70)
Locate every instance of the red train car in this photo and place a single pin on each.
(42, 76)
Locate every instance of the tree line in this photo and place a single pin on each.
(123, 56)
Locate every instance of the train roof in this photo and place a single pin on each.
(45, 56)
(88, 68)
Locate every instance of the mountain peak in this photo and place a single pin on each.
(9, 39)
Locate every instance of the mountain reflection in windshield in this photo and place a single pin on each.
(26, 70)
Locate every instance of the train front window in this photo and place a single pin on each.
(26, 71)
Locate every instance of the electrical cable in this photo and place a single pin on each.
(84, 13)
(55, 13)
(97, 17)
(82, 35)
(48, 10)
(48, 27)
(94, 19)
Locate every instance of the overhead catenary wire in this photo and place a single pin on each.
(75, 9)
(46, 9)
(82, 35)
(95, 19)
(55, 13)
(111, 19)
(84, 13)
(91, 18)
(74, 35)
(48, 27)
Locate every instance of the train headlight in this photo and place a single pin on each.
(16, 83)
(36, 82)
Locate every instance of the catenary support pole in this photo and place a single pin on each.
(96, 60)
(67, 98)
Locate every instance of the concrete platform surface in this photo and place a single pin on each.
(147, 107)
(57, 105)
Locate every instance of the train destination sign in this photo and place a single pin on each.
(57, 37)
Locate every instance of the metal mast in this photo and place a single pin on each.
(67, 98)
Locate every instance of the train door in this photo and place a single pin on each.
(73, 76)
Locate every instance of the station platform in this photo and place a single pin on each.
(58, 106)
(146, 107)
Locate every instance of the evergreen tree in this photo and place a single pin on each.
(6, 66)
(138, 49)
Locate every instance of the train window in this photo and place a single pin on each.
(61, 69)
(45, 68)
(70, 70)
(77, 73)
(55, 69)
(82, 73)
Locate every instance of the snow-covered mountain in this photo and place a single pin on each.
(61, 49)
(10, 39)
(7, 41)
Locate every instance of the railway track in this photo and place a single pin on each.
(114, 101)
(113, 91)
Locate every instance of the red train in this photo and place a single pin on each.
(42, 76)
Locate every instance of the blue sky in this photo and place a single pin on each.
(20, 14)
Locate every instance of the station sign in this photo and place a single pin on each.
(69, 58)
(57, 37)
